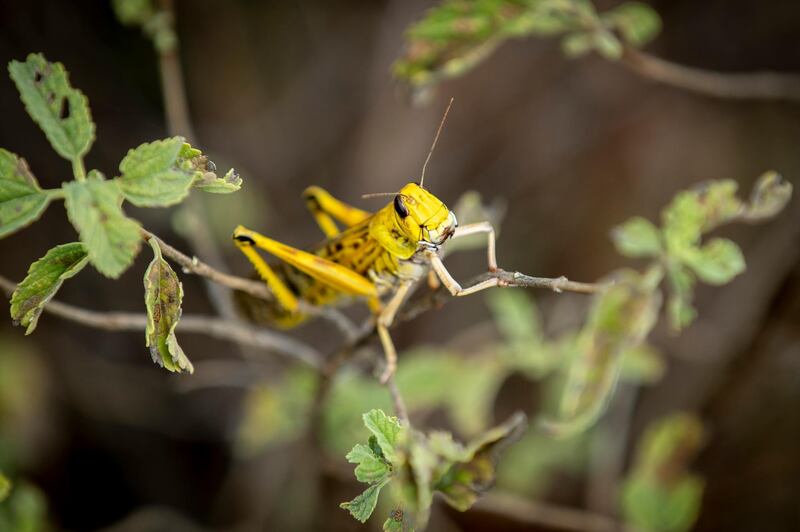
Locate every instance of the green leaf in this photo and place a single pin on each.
(637, 237)
(161, 173)
(21, 200)
(44, 278)
(638, 23)
(163, 295)
(371, 466)
(362, 506)
(150, 174)
(25, 510)
(5, 487)
(112, 239)
(387, 431)
(466, 480)
(770, 195)
(717, 262)
(61, 111)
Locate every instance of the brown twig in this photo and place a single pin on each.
(234, 331)
(558, 284)
(740, 86)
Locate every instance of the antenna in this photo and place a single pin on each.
(377, 194)
(435, 140)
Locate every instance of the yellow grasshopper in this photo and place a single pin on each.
(378, 256)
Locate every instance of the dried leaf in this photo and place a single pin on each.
(163, 295)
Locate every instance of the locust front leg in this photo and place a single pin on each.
(480, 227)
(444, 275)
(385, 315)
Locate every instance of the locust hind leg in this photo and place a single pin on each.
(283, 295)
(325, 209)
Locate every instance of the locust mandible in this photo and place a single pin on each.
(377, 257)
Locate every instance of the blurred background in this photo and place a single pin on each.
(299, 93)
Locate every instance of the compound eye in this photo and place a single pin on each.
(400, 207)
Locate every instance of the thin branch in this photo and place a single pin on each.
(173, 87)
(538, 513)
(234, 331)
(740, 86)
(397, 401)
(558, 284)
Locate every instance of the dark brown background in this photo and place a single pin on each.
(293, 94)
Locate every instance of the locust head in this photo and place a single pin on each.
(415, 219)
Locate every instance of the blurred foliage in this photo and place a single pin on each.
(156, 23)
(620, 318)
(677, 245)
(455, 36)
(5, 487)
(24, 509)
(417, 465)
(659, 494)
(155, 174)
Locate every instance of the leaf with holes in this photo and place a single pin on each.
(60, 110)
(163, 295)
(112, 239)
(44, 278)
(22, 202)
